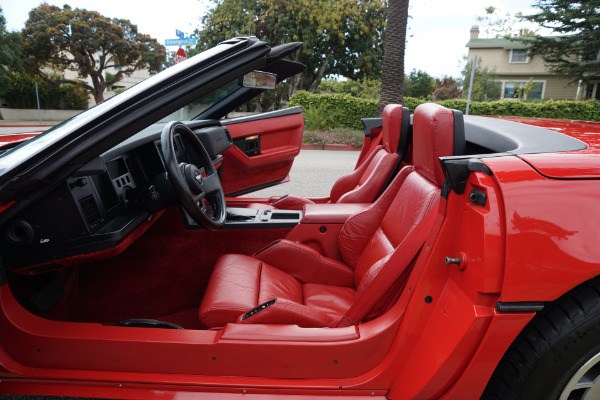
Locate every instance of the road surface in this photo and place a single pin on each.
(313, 174)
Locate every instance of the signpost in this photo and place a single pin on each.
(181, 42)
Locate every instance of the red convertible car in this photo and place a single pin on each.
(460, 259)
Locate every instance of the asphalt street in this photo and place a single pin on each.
(313, 174)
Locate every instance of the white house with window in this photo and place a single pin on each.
(522, 75)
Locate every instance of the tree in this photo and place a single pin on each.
(446, 88)
(340, 37)
(573, 54)
(10, 54)
(418, 84)
(21, 93)
(362, 88)
(89, 43)
(486, 85)
(507, 25)
(392, 75)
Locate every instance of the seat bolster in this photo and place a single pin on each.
(349, 181)
(306, 264)
(291, 202)
(333, 300)
(223, 300)
(285, 312)
(367, 192)
(360, 227)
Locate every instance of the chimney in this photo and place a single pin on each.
(475, 32)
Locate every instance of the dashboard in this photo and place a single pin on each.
(105, 200)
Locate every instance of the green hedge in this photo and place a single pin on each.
(341, 109)
(345, 110)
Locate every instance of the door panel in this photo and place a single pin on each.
(265, 146)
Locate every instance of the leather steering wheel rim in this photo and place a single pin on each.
(193, 187)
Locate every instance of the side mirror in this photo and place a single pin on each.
(259, 80)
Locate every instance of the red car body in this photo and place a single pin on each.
(532, 241)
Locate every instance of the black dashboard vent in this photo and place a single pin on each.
(90, 210)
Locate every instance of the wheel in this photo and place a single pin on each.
(557, 356)
(198, 187)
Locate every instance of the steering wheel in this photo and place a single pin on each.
(198, 187)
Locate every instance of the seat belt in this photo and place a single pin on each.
(403, 255)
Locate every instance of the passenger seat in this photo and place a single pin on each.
(291, 283)
(369, 179)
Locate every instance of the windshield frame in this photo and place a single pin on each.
(75, 142)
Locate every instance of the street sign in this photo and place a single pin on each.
(179, 34)
(180, 56)
(181, 42)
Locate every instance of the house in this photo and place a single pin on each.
(511, 62)
(125, 83)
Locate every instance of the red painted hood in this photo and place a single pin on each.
(567, 165)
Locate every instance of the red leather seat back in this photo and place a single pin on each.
(393, 120)
(365, 183)
(437, 132)
(369, 240)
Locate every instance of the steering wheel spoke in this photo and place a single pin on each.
(212, 184)
(198, 186)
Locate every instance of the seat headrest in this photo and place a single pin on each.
(437, 132)
(395, 122)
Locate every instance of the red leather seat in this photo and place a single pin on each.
(366, 182)
(297, 285)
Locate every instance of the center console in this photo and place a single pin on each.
(252, 218)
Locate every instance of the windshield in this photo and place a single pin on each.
(52, 138)
(197, 107)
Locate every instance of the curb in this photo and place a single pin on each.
(333, 147)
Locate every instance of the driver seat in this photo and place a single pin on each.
(291, 283)
(370, 178)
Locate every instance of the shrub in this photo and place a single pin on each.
(345, 110)
(21, 94)
(351, 137)
(342, 109)
(316, 118)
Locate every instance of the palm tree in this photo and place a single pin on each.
(392, 74)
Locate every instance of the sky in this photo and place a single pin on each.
(437, 30)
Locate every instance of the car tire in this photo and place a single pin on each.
(557, 356)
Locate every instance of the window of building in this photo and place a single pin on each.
(590, 56)
(537, 91)
(518, 90)
(519, 56)
(589, 91)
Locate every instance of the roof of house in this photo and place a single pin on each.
(501, 43)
